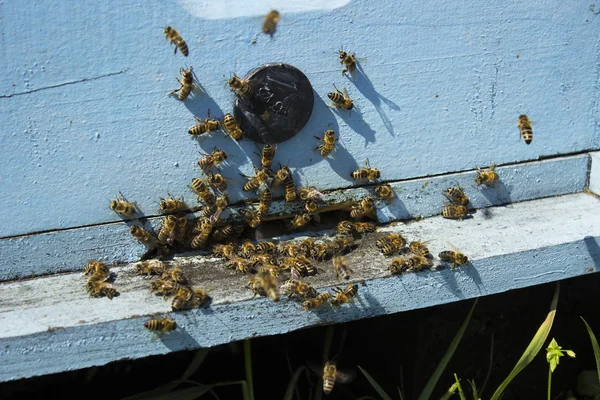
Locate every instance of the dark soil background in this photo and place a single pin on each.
(397, 350)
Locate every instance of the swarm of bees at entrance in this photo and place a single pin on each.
(98, 285)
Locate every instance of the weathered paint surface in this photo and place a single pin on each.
(69, 250)
(84, 111)
(594, 184)
(514, 246)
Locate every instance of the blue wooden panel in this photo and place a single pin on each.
(85, 112)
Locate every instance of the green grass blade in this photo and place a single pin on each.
(195, 364)
(375, 385)
(289, 393)
(595, 347)
(474, 389)
(248, 367)
(534, 347)
(430, 385)
(460, 391)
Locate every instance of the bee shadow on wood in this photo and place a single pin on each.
(593, 249)
(200, 102)
(366, 88)
(354, 120)
(373, 306)
(496, 195)
(391, 211)
(179, 339)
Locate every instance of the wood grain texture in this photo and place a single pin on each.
(50, 325)
(85, 112)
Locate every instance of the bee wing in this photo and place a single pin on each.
(345, 376)
(295, 274)
(345, 92)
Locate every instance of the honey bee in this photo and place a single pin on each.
(409, 264)
(385, 192)
(345, 227)
(390, 243)
(251, 218)
(211, 160)
(311, 206)
(221, 203)
(455, 257)
(452, 211)
(366, 174)
(348, 61)
(256, 181)
(265, 200)
(303, 266)
(145, 237)
(171, 205)
(301, 289)
(363, 227)
(456, 195)
(232, 126)
(93, 267)
(329, 376)
(266, 247)
(317, 301)
(222, 233)
(307, 245)
(327, 143)
(525, 128)
(341, 244)
(300, 220)
(267, 266)
(267, 283)
(343, 296)
(319, 251)
(238, 227)
(177, 40)
(340, 267)
(239, 264)
(217, 181)
(166, 287)
(181, 299)
(100, 289)
(309, 193)
(365, 207)
(186, 84)
(224, 250)
(200, 239)
(122, 206)
(162, 325)
(240, 86)
(207, 125)
(290, 249)
(270, 23)
(150, 267)
(176, 275)
(247, 249)
(198, 298)
(488, 177)
(267, 155)
(281, 176)
(201, 189)
(168, 231)
(419, 248)
(340, 99)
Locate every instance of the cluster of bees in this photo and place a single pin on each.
(98, 285)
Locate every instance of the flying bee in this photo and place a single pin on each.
(150, 267)
(345, 227)
(145, 237)
(267, 267)
(366, 174)
(363, 227)
(173, 36)
(266, 247)
(343, 296)
(265, 199)
(488, 177)
(222, 233)
(176, 275)
(224, 250)
(327, 143)
(121, 206)
(232, 126)
(203, 126)
(186, 84)
(93, 267)
(212, 160)
(341, 267)
(300, 220)
(317, 301)
(168, 231)
(217, 181)
(270, 23)
(268, 284)
(385, 192)
(251, 218)
(161, 325)
(257, 180)
(281, 176)
(455, 257)
(239, 86)
(341, 244)
(100, 289)
(299, 288)
(201, 189)
(311, 206)
(525, 128)
(267, 155)
(181, 299)
(419, 248)
(456, 195)
(348, 61)
(452, 211)
(340, 99)
(200, 239)
(365, 207)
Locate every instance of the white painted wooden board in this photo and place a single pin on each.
(84, 111)
(49, 325)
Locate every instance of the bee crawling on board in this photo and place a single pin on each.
(121, 206)
(488, 177)
(186, 84)
(365, 207)
(267, 155)
(327, 142)
(199, 187)
(174, 37)
(150, 267)
(455, 257)
(390, 243)
(364, 227)
(271, 21)
(171, 205)
(207, 125)
(213, 159)
(348, 60)
(161, 325)
(232, 126)
(419, 248)
(452, 211)
(385, 192)
(298, 288)
(254, 182)
(300, 220)
(525, 128)
(217, 181)
(345, 227)
(240, 86)
(456, 195)
(340, 99)
(366, 173)
(317, 301)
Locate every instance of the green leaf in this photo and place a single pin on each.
(595, 347)
(289, 393)
(430, 385)
(534, 347)
(375, 385)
